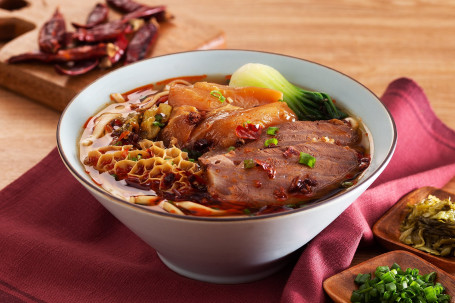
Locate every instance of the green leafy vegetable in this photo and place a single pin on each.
(397, 285)
(307, 105)
(307, 159)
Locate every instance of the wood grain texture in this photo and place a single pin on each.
(387, 228)
(373, 41)
(340, 286)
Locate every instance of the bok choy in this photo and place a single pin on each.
(307, 105)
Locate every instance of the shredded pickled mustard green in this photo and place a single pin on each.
(430, 226)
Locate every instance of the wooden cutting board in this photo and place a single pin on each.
(19, 30)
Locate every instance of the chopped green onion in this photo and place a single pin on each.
(391, 286)
(362, 278)
(419, 281)
(158, 117)
(249, 163)
(430, 294)
(246, 123)
(347, 184)
(388, 277)
(307, 159)
(271, 142)
(356, 297)
(429, 277)
(387, 295)
(272, 130)
(396, 285)
(246, 211)
(231, 148)
(156, 123)
(217, 94)
(381, 269)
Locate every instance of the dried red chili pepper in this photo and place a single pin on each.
(269, 168)
(78, 67)
(302, 185)
(364, 162)
(146, 12)
(83, 52)
(257, 183)
(65, 55)
(280, 195)
(68, 40)
(290, 151)
(97, 16)
(142, 42)
(124, 6)
(248, 131)
(102, 32)
(162, 99)
(80, 59)
(115, 52)
(52, 34)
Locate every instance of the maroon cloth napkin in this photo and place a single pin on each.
(58, 244)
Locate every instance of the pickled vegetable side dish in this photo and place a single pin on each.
(430, 226)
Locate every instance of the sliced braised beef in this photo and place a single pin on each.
(332, 131)
(181, 123)
(219, 126)
(275, 176)
(209, 96)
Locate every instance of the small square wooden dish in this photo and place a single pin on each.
(340, 286)
(387, 228)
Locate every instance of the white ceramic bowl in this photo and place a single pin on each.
(227, 250)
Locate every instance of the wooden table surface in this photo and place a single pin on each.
(374, 41)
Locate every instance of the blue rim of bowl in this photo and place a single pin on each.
(111, 197)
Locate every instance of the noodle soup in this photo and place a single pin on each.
(193, 146)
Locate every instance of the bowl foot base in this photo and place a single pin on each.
(225, 279)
